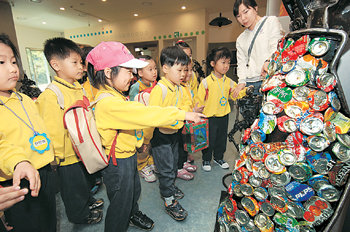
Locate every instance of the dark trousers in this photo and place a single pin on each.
(123, 190)
(75, 192)
(182, 153)
(217, 138)
(165, 151)
(35, 213)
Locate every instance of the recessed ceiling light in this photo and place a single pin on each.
(104, 0)
(43, 22)
(100, 20)
(183, 7)
(136, 15)
(62, 8)
(36, 1)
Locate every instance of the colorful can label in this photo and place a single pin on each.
(300, 172)
(280, 180)
(279, 203)
(319, 46)
(329, 193)
(301, 93)
(318, 100)
(318, 161)
(272, 82)
(317, 181)
(273, 165)
(288, 66)
(287, 157)
(267, 123)
(326, 82)
(339, 174)
(289, 223)
(283, 94)
(297, 77)
(334, 101)
(313, 63)
(299, 192)
(250, 205)
(341, 152)
(261, 193)
(317, 211)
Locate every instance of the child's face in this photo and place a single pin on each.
(221, 66)
(189, 73)
(70, 68)
(122, 80)
(9, 71)
(188, 52)
(176, 73)
(149, 73)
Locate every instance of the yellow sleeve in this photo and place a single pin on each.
(241, 94)
(200, 97)
(186, 100)
(10, 156)
(52, 115)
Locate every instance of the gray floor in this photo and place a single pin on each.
(201, 200)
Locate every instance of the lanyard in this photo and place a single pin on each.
(223, 99)
(31, 124)
(177, 96)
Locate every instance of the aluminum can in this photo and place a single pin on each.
(289, 223)
(257, 151)
(341, 152)
(318, 142)
(272, 82)
(300, 172)
(263, 172)
(318, 161)
(250, 227)
(267, 209)
(280, 180)
(344, 139)
(297, 77)
(318, 100)
(273, 165)
(313, 63)
(230, 206)
(295, 210)
(260, 220)
(311, 125)
(257, 136)
(272, 67)
(260, 194)
(301, 93)
(283, 94)
(339, 174)
(286, 157)
(334, 101)
(299, 192)
(242, 217)
(306, 228)
(267, 123)
(286, 124)
(273, 148)
(329, 131)
(277, 191)
(293, 110)
(279, 203)
(298, 48)
(326, 82)
(329, 193)
(247, 189)
(317, 181)
(250, 205)
(288, 66)
(319, 46)
(255, 181)
(317, 211)
(234, 227)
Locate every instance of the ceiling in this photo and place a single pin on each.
(83, 13)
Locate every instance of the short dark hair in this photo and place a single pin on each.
(4, 39)
(99, 78)
(173, 55)
(216, 54)
(85, 51)
(182, 44)
(60, 47)
(247, 3)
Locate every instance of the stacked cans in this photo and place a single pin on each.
(292, 184)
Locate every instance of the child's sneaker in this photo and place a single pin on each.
(176, 211)
(206, 166)
(184, 174)
(189, 167)
(178, 193)
(148, 174)
(222, 163)
(141, 221)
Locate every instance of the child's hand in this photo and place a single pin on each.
(26, 170)
(236, 90)
(264, 69)
(10, 196)
(193, 116)
(198, 109)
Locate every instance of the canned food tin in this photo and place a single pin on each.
(297, 77)
(317, 211)
(280, 180)
(311, 126)
(319, 46)
(289, 223)
(287, 157)
(242, 217)
(288, 66)
(301, 93)
(341, 152)
(318, 142)
(273, 165)
(329, 193)
(247, 189)
(300, 172)
(261, 193)
(339, 174)
(329, 131)
(295, 210)
(255, 181)
(250, 205)
(326, 82)
(267, 209)
(318, 100)
(334, 101)
(298, 191)
(279, 203)
(344, 139)
(257, 151)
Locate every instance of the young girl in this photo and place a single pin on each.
(252, 67)
(147, 78)
(24, 148)
(120, 125)
(213, 94)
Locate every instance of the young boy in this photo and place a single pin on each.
(64, 56)
(165, 139)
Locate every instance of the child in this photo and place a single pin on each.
(21, 155)
(64, 56)
(147, 78)
(120, 123)
(213, 93)
(165, 139)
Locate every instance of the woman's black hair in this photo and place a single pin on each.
(215, 55)
(85, 51)
(182, 44)
(173, 55)
(4, 39)
(99, 78)
(247, 3)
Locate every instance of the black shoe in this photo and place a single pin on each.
(178, 193)
(176, 211)
(97, 204)
(141, 220)
(95, 216)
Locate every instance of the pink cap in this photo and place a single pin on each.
(112, 54)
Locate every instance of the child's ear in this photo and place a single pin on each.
(140, 72)
(212, 63)
(55, 64)
(108, 73)
(165, 69)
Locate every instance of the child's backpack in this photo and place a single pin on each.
(80, 122)
(143, 96)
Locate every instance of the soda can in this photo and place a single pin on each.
(301, 93)
(255, 181)
(295, 210)
(257, 136)
(300, 172)
(339, 174)
(297, 77)
(257, 151)
(286, 157)
(286, 124)
(298, 48)
(279, 203)
(326, 82)
(317, 181)
(277, 191)
(247, 189)
(260, 193)
(312, 63)
(318, 100)
(280, 180)
(317, 211)
(319, 46)
(295, 109)
(288, 66)
(260, 220)
(344, 139)
(341, 152)
(272, 82)
(274, 147)
(273, 165)
(299, 192)
(311, 125)
(234, 227)
(329, 193)
(340, 121)
(263, 172)
(230, 206)
(267, 209)
(318, 142)
(267, 123)
(242, 217)
(250, 227)
(306, 228)
(272, 67)
(283, 94)
(284, 221)
(329, 131)
(334, 101)
(250, 205)
(318, 161)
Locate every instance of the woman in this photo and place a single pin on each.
(253, 67)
